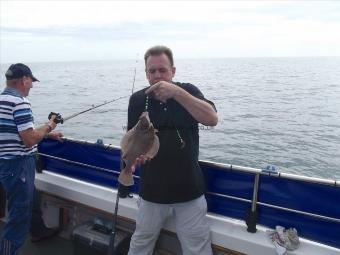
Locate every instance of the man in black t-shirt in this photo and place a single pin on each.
(171, 183)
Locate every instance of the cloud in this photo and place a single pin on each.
(120, 31)
(77, 30)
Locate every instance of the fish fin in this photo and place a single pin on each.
(154, 149)
(126, 178)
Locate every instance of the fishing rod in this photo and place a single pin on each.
(122, 191)
(111, 247)
(60, 119)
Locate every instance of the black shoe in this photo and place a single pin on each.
(47, 233)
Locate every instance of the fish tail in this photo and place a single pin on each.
(126, 178)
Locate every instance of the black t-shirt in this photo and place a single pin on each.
(174, 174)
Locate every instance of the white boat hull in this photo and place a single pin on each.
(226, 232)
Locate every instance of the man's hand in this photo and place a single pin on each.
(51, 123)
(56, 117)
(163, 90)
(56, 136)
(142, 159)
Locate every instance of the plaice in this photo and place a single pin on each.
(140, 140)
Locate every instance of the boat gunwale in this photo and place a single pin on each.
(230, 167)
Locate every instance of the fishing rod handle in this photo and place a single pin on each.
(58, 119)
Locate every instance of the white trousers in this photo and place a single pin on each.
(190, 220)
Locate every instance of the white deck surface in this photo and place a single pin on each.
(226, 232)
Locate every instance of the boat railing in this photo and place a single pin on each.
(258, 172)
(229, 167)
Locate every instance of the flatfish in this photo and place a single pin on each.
(140, 140)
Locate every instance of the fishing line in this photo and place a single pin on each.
(179, 136)
(134, 76)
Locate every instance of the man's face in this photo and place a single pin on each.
(158, 68)
(27, 85)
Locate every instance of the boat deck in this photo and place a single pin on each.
(53, 246)
(57, 246)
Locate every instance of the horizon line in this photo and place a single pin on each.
(177, 58)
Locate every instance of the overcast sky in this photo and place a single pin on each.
(102, 30)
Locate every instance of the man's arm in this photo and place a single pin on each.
(200, 110)
(33, 136)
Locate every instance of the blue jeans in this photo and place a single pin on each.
(17, 179)
(38, 226)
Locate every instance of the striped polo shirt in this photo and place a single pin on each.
(15, 116)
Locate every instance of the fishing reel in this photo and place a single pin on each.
(58, 119)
